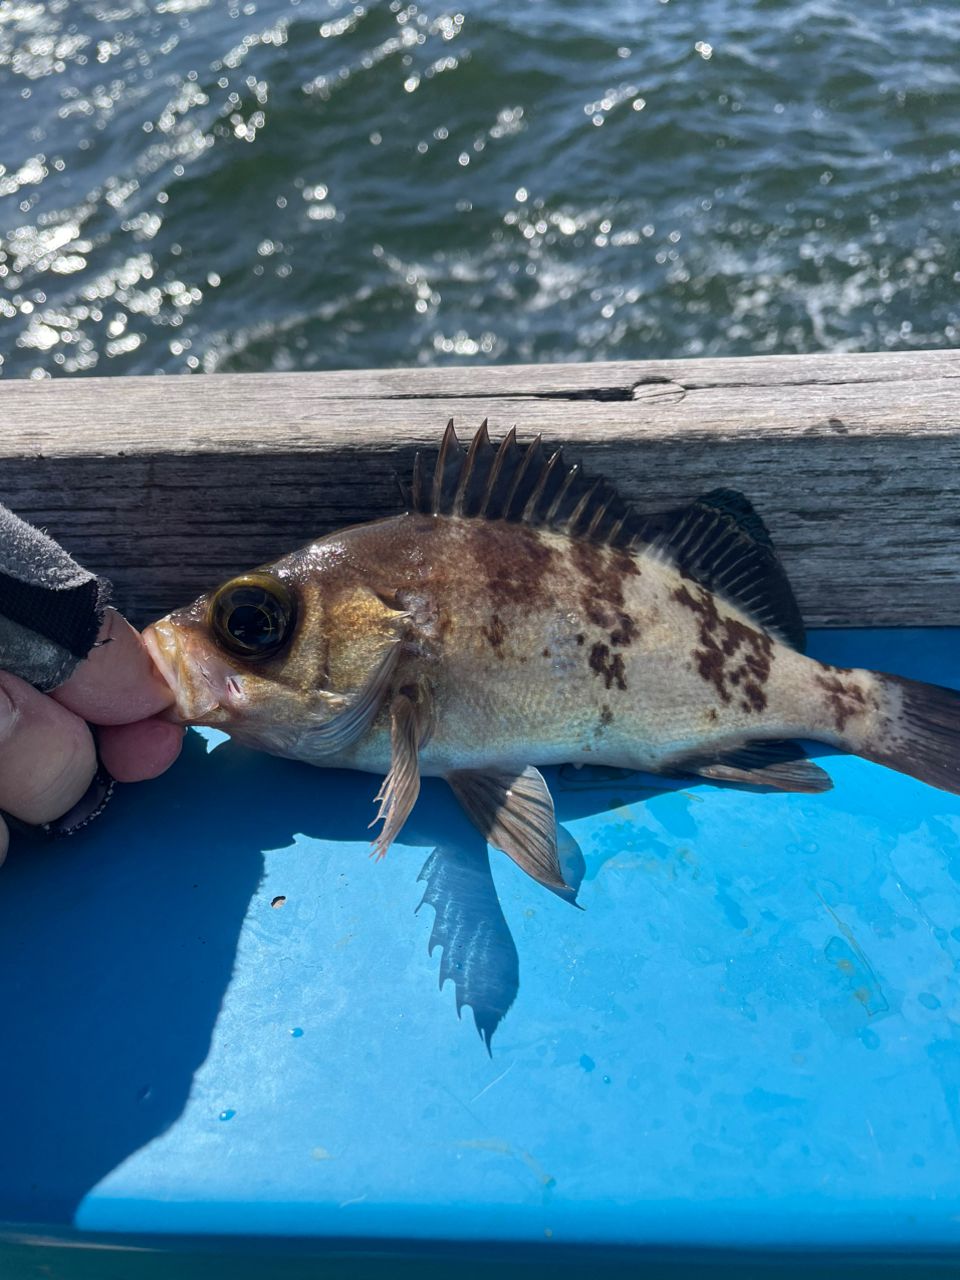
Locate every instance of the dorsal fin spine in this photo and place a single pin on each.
(699, 532)
(578, 512)
(477, 444)
(530, 510)
(599, 516)
(507, 445)
(735, 582)
(533, 450)
(416, 486)
(728, 556)
(554, 507)
(449, 445)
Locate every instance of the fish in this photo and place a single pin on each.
(520, 614)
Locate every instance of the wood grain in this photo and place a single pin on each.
(167, 485)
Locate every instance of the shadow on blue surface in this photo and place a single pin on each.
(116, 953)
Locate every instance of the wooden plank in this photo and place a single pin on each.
(169, 484)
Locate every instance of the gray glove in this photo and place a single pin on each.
(50, 608)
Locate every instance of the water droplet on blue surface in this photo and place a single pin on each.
(228, 1114)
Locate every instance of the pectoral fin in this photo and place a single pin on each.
(782, 766)
(352, 718)
(409, 729)
(514, 812)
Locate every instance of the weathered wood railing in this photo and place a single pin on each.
(169, 484)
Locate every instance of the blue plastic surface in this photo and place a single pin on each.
(750, 1035)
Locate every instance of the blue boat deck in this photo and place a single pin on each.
(220, 1016)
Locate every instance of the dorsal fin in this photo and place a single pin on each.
(719, 540)
(522, 483)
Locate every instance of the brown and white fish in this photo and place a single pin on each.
(519, 615)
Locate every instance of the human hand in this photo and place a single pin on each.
(48, 757)
(48, 753)
(68, 662)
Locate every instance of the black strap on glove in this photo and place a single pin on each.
(50, 608)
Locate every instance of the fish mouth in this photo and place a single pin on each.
(161, 644)
(203, 686)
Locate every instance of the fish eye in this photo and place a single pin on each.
(252, 616)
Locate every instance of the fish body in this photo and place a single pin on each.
(535, 646)
(519, 616)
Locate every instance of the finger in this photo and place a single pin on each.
(4, 840)
(47, 756)
(117, 683)
(135, 752)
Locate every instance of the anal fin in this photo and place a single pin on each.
(514, 812)
(783, 766)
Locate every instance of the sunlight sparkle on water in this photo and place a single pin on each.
(149, 150)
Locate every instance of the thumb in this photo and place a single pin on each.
(118, 682)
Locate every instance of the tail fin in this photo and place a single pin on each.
(921, 733)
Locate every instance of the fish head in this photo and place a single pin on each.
(292, 657)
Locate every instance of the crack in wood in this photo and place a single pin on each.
(654, 388)
(579, 393)
(760, 385)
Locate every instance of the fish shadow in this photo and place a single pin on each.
(117, 946)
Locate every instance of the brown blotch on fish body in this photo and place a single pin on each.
(754, 699)
(625, 631)
(603, 722)
(624, 563)
(597, 612)
(606, 719)
(588, 558)
(515, 561)
(730, 655)
(844, 698)
(607, 665)
(495, 634)
(602, 571)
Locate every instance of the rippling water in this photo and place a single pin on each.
(215, 185)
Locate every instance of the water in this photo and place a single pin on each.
(213, 185)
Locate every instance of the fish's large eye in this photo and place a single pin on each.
(253, 616)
